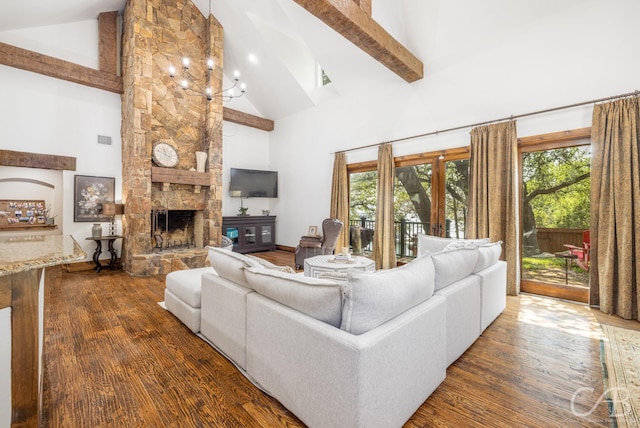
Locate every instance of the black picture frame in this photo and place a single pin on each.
(88, 196)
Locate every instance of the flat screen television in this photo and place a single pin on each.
(252, 183)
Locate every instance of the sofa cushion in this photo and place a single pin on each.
(318, 298)
(488, 255)
(186, 285)
(451, 266)
(435, 244)
(229, 265)
(373, 298)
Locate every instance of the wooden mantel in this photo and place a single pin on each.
(179, 176)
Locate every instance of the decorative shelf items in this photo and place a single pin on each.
(23, 214)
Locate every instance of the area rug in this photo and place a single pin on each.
(620, 353)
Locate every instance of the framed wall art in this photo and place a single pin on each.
(89, 195)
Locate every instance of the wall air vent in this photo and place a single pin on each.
(104, 139)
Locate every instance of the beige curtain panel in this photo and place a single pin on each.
(492, 205)
(340, 198)
(615, 207)
(384, 240)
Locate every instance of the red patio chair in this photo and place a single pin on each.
(582, 252)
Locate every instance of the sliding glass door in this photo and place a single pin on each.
(555, 211)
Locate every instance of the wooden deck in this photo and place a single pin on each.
(114, 357)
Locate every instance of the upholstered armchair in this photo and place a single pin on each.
(311, 246)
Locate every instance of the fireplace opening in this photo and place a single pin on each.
(173, 229)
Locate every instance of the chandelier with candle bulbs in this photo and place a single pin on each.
(187, 83)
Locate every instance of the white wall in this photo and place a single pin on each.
(75, 42)
(248, 148)
(527, 56)
(41, 114)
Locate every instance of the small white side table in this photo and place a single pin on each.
(318, 266)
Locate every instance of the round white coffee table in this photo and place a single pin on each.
(319, 266)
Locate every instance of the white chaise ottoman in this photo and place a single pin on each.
(182, 295)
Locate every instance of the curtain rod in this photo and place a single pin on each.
(473, 125)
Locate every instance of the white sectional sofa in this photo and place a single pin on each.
(365, 352)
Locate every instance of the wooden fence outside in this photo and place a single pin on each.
(553, 240)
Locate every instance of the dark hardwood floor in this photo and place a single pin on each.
(114, 357)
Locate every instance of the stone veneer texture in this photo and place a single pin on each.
(157, 34)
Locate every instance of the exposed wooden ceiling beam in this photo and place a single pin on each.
(351, 20)
(246, 119)
(108, 41)
(53, 67)
(365, 5)
(37, 160)
(49, 66)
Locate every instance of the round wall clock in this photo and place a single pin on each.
(165, 155)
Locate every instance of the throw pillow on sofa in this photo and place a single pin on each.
(318, 298)
(453, 265)
(435, 244)
(462, 243)
(488, 255)
(229, 265)
(373, 298)
(268, 265)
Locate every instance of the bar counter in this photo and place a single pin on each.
(24, 253)
(23, 260)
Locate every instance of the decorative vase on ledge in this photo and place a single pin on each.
(201, 161)
(96, 230)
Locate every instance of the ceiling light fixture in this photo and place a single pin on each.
(187, 83)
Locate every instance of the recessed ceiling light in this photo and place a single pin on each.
(252, 58)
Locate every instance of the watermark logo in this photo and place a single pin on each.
(619, 396)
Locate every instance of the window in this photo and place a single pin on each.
(413, 206)
(362, 210)
(325, 78)
(430, 196)
(321, 77)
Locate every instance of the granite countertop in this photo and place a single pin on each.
(23, 253)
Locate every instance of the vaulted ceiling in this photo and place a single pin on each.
(279, 47)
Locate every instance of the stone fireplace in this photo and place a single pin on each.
(176, 229)
(171, 214)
